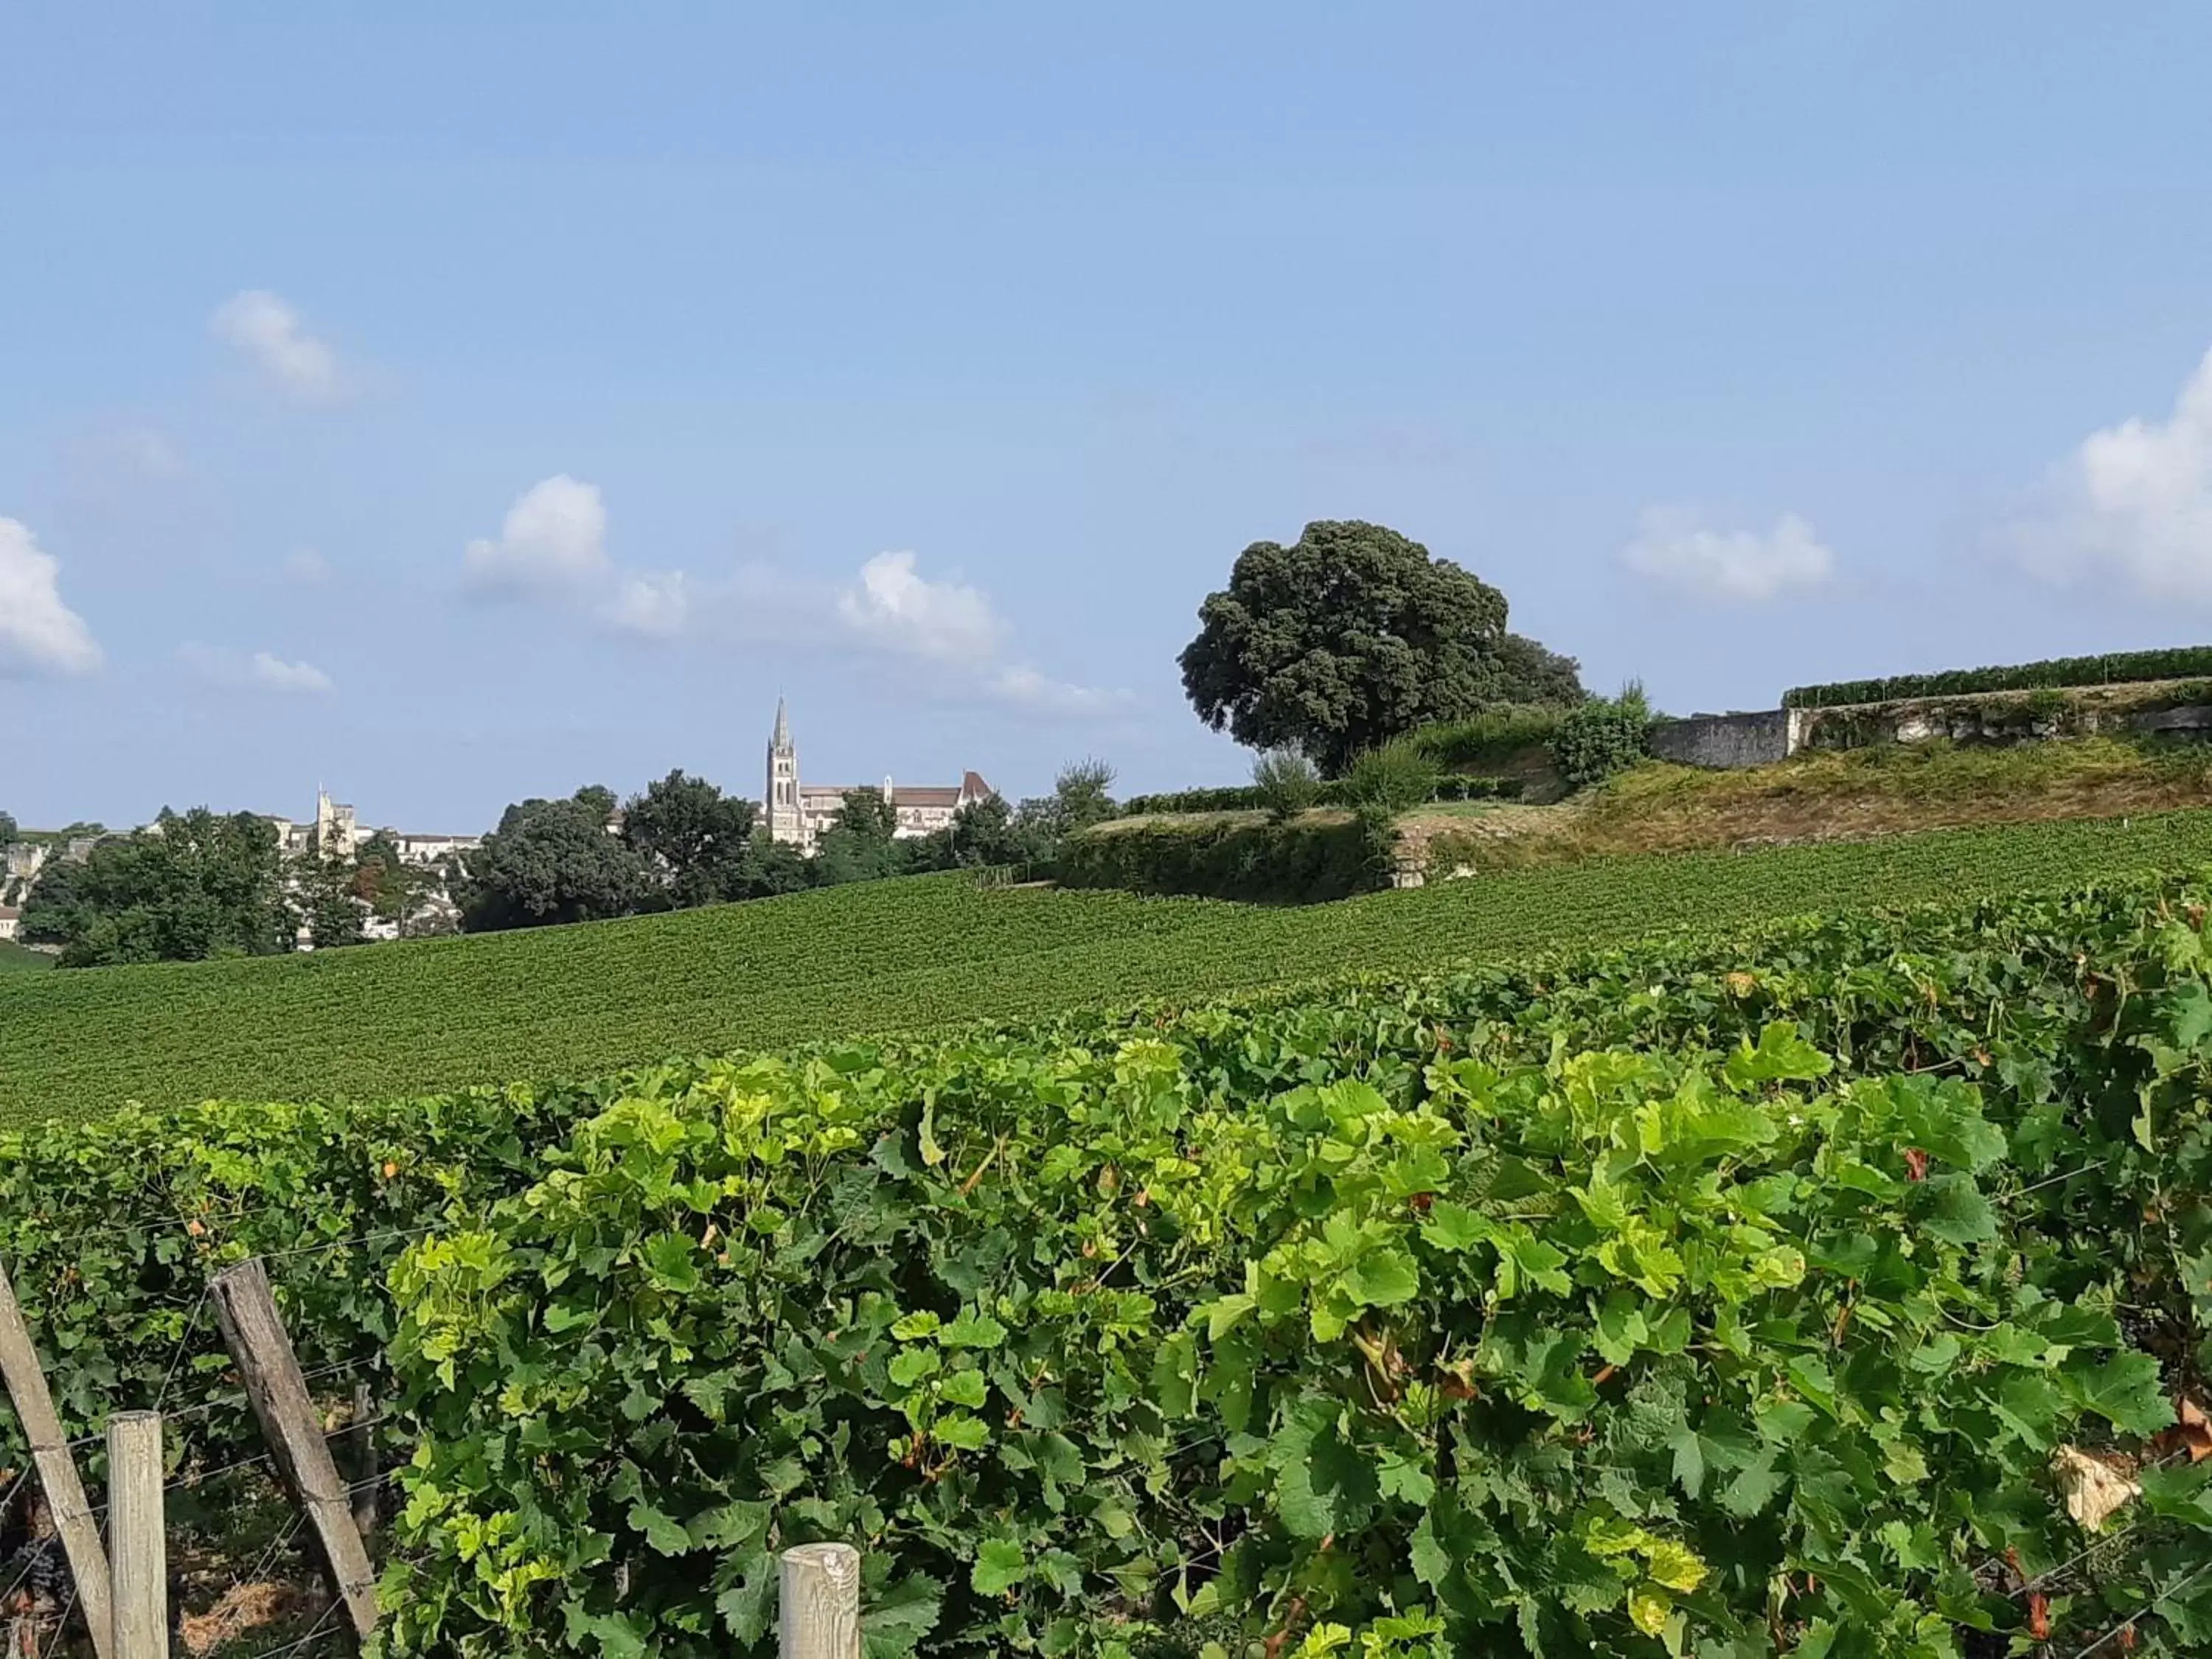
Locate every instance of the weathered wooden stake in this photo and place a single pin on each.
(254, 1333)
(34, 1409)
(135, 1529)
(821, 1597)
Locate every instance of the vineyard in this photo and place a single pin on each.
(930, 954)
(16, 959)
(1719, 1298)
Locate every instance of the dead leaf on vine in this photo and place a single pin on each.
(2191, 1432)
(1741, 984)
(1458, 1382)
(2094, 1488)
(1915, 1163)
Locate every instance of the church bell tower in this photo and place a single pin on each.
(784, 822)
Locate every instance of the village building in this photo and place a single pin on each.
(799, 814)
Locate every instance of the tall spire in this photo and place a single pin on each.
(782, 738)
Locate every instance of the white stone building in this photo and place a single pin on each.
(11, 918)
(799, 814)
(337, 827)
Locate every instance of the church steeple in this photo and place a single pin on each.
(785, 822)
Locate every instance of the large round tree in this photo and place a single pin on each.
(1353, 635)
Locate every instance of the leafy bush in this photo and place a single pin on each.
(1602, 736)
(1297, 863)
(1390, 779)
(1490, 738)
(2180, 662)
(1332, 792)
(1286, 782)
(1762, 1323)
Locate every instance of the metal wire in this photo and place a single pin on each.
(62, 1624)
(2163, 1597)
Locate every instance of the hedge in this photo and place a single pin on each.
(1303, 861)
(1246, 798)
(2180, 662)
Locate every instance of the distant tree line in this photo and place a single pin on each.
(682, 843)
(197, 885)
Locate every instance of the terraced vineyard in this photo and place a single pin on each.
(932, 953)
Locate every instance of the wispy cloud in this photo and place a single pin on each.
(39, 633)
(652, 606)
(1675, 545)
(2133, 503)
(306, 565)
(938, 635)
(269, 333)
(258, 670)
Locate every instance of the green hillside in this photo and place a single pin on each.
(920, 954)
(17, 959)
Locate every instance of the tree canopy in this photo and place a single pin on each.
(1353, 635)
(866, 815)
(195, 885)
(552, 861)
(696, 843)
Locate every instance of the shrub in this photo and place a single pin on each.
(1299, 862)
(1490, 738)
(1603, 737)
(2179, 662)
(1331, 791)
(1389, 779)
(1286, 781)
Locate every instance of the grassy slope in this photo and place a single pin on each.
(928, 953)
(1835, 795)
(18, 959)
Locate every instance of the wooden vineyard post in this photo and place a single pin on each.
(820, 1593)
(135, 1529)
(50, 1452)
(255, 1336)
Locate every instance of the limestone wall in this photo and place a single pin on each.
(1729, 741)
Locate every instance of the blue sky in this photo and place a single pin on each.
(456, 404)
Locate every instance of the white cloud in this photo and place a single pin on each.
(306, 565)
(39, 634)
(1674, 545)
(553, 546)
(1022, 687)
(652, 606)
(261, 671)
(268, 331)
(554, 536)
(2135, 502)
(273, 674)
(894, 607)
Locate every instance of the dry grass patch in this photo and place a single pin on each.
(1846, 795)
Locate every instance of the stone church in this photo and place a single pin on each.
(799, 813)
